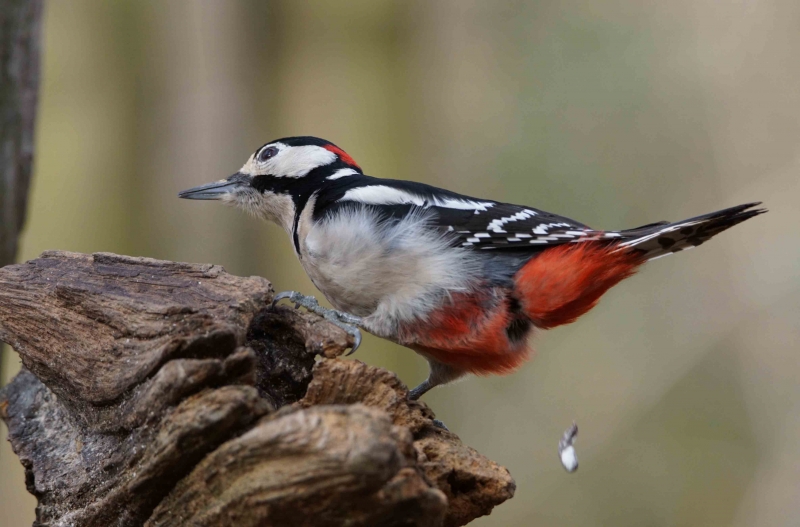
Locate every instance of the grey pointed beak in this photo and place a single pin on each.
(212, 190)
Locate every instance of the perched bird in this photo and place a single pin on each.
(462, 281)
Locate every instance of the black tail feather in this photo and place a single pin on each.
(656, 240)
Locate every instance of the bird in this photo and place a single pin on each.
(463, 281)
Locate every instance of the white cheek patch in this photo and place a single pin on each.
(297, 161)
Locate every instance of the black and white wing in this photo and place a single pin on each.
(503, 226)
(493, 226)
(474, 223)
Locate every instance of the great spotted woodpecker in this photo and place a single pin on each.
(460, 280)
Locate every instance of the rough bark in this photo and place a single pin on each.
(159, 393)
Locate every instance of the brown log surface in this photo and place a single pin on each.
(164, 394)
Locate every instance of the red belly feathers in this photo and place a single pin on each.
(487, 332)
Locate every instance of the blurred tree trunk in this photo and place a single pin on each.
(20, 25)
(20, 21)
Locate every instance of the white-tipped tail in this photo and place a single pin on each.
(660, 239)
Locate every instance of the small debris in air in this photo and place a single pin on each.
(566, 449)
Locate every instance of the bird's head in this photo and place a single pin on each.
(278, 176)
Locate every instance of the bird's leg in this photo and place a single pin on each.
(441, 373)
(349, 323)
(421, 389)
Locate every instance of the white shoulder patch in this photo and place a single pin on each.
(385, 195)
(463, 204)
(382, 195)
(343, 172)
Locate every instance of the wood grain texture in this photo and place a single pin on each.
(164, 394)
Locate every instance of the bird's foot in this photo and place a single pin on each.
(349, 323)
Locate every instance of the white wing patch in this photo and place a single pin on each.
(385, 195)
(343, 172)
(381, 195)
(497, 230)
(463, 204)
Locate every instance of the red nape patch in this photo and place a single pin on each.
(344, 156)
(470, 334)
(563, 283)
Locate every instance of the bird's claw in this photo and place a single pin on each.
(356, 341)
(347, 322)
(280, 296)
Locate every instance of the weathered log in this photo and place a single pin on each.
(164, 394)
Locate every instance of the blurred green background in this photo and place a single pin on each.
(684, 380)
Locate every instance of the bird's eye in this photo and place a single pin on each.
(267, 153)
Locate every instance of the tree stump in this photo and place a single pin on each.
(163, 394)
